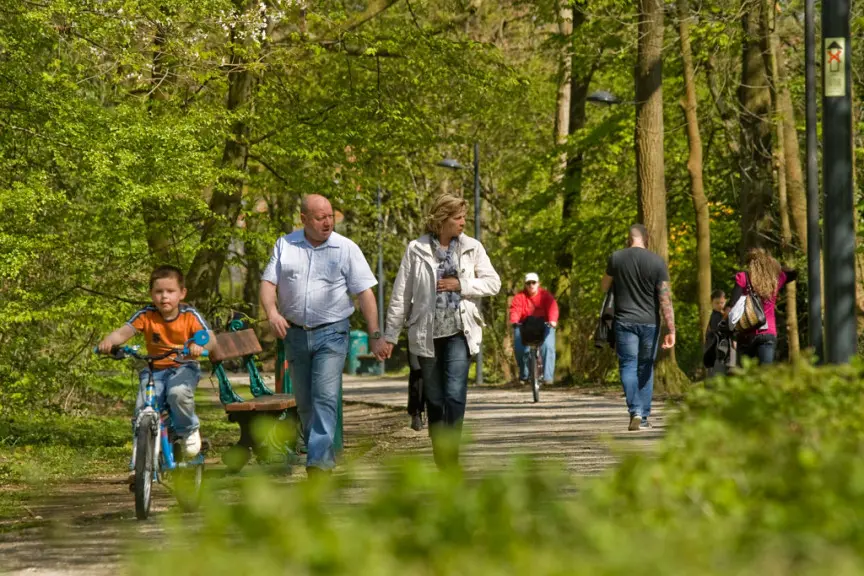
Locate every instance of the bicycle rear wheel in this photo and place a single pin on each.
(144, 464)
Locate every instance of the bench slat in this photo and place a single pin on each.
(274, 403)
(235, 345)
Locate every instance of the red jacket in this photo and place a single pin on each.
(542, 304)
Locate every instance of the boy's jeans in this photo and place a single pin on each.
(316, 359)
(636, 345)
(547, 352)
(177, 385)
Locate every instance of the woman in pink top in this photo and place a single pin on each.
(767, 278)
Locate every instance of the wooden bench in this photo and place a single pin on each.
(259, 419)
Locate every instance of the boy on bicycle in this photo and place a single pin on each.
(168, 324)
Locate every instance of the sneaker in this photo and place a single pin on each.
(416, 422)
(192, 444)
(635, 423)
(645, 425)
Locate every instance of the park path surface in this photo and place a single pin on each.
(89, 527)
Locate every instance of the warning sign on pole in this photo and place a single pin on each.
(834, 65)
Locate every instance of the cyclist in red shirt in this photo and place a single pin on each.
(537, 306)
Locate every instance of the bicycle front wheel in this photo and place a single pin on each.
(144, 464)
(535, 381)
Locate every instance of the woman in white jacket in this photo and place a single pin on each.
(442, 276)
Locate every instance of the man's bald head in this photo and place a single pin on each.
(316, 213)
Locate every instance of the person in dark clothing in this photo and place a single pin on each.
(640, 284)
(766, 278)
(415, 393)
(712, 337)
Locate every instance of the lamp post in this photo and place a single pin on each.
(380, 268)
(455, 165)
(840, 326)
(814, 272)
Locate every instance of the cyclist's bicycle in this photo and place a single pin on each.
(535, 360)
(156, 448)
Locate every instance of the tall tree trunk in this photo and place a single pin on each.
(226, 200)
(562, 103)
(650, 181)
(795, 184)
(756, 159)
(566, 287)
(769, 33)
(157, 230)
(694, 168)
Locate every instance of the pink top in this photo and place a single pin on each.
(767, 305)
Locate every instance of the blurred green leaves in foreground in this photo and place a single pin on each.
(758, 474)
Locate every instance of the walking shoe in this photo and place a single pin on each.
(416, 422)
(635, 423)
(645, 425)
(192, 444)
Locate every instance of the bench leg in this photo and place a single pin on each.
(236, 457)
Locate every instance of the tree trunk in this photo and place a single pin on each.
(226, 200)
(157, 230)
(694, 168)
(562, 103)
(769, 32)
(756, 159)
(650, 181)
(795, 183)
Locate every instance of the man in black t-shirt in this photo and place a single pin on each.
(640, 283)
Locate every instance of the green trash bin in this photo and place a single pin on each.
(358, 345)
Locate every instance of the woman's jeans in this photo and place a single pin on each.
(445, 387)
(636, 345)
(760, 346)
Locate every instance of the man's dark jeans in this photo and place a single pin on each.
(636, 345)
(445, 387)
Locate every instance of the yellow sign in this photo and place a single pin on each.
(834, 65)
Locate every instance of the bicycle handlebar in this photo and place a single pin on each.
(121, 352)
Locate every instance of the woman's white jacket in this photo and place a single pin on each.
(412, 302)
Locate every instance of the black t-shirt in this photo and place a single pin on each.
(637, 273)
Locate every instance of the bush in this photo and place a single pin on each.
(760, 473)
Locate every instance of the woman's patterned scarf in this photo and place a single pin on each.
(448, 267)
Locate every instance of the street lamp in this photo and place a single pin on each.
(380, 268)
(603, 98)
(814, 272)
(452, 164)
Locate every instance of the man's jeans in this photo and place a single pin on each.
(445, 387)
(177, 386)
(316, 359)
(547, 352)
(636, 345)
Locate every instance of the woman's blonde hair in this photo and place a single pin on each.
(764, 271)
(443, 207)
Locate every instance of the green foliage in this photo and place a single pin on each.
(760, 473)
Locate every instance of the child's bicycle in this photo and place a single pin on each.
(156, 449)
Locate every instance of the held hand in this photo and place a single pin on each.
(449, 285)
(669, 341)
(379, 349)
(195, 350)
(278, 325)
(105, 346)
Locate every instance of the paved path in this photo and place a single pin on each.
(583, 431)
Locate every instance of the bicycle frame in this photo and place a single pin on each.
(163, 443)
